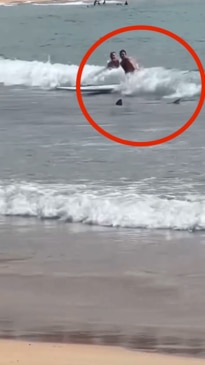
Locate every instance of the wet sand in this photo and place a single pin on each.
(70, 283)
(25, 353)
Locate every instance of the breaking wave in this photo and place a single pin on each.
(107, 206)
(64, 3)
(155, 81)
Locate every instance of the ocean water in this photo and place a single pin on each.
(64, 186)
(54, 165)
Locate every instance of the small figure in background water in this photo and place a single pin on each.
(126, 3)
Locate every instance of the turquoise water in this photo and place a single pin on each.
(65, 32)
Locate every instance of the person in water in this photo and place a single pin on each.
(127, 63)
(114, 62)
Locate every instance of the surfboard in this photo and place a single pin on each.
(94, 89)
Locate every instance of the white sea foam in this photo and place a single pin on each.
(111, 207)
(156, 81)
(76, 3)
(2, 4)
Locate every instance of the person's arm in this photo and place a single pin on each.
(122, 65)
(108, 64)
(134, 63)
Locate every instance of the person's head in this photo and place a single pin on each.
(113, 56)
(123, 54)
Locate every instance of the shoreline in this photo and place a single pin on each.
(50, 296)
(143, 341)
(30, 2)
(51, 2)
(44, 353)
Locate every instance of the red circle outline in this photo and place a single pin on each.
(127, 29)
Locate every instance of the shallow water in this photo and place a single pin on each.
(86, 223)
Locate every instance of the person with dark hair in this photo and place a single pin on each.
(113, 62)
(127, 63)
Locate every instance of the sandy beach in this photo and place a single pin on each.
(52, 354)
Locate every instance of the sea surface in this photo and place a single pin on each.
(101, 220)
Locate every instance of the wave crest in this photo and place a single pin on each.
(155, 82)
(104, 207)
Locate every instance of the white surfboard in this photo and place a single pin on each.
(94, 89)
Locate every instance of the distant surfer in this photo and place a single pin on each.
(127, 63)
(114, 61)
(126, 3)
